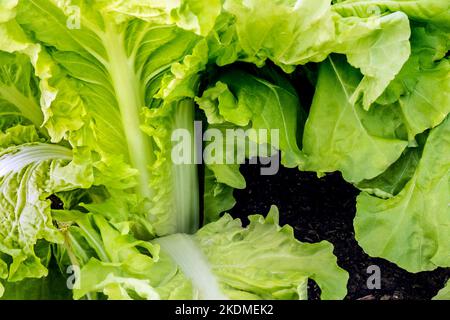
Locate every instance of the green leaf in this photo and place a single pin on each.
(284, 31)
(175, 205)
(294, 33)
(380, 51)
(261, 261)
(19, 93)
(217, 198)
(444, 294)
(110, 79)
(393, 180)
(29, 174)
(195, 15)
(121, 267)
(342, 136)
(17, 135)
(421, 89)
(3, 275)
(239, 107)
(245, 100)
(411, 229)
(52, 287)
(222, 260)
(436, 11)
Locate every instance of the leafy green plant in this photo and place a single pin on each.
(87, 113)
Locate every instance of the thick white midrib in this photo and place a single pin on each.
(191, 260)
(27, 106)
(186, 191)
(15, 161)
(130, 100)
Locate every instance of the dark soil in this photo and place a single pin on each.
(323, 209)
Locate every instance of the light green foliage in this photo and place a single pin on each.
(342, 136)
(411, 228)
(89, 104)
(444, 294)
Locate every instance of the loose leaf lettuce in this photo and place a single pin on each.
(89, 103)
(250, 102)
(242, 102)
(103, 75)
(421, 88)
(276, 266)
(29, 174)
(207, 265)
(292, 33)
(31, 169)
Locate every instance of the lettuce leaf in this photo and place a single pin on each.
(341, 136)
(250, 102)
(89, 103)
(436, 11)
(19, 93)
(444, 294)
(419, 90)
(411, 229)
(292, 33)
(52, 287)
(222, 260)
(393, 180)
(107, 79)
(31, 170)
(29, 174)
